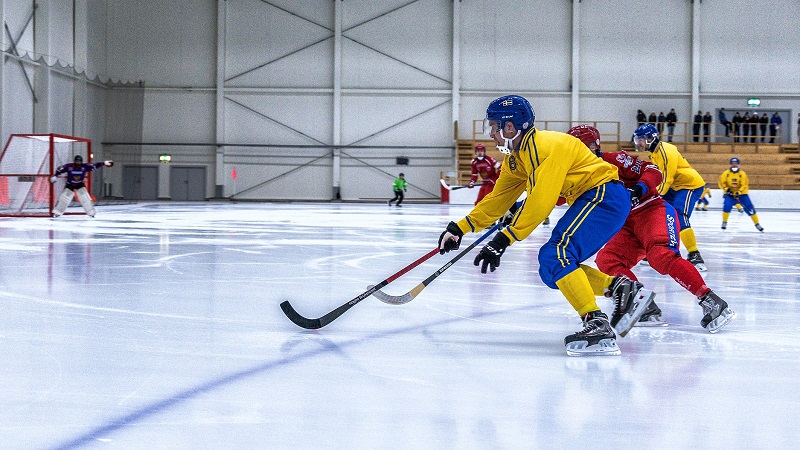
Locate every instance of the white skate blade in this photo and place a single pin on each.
(651, 321)
(643, 299)
(606, 347)
(701, 267)
(724, 317)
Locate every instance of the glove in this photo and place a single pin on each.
(490, 253)
(53, 179)
(108, 163)
(636, 194)
(450, 239)
(471, 184)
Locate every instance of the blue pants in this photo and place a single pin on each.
(594, 218)
(683, 201)
(744, 200)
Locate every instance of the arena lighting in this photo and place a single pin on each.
(753, 102)
(165, 158)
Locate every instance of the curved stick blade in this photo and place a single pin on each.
(294, 316)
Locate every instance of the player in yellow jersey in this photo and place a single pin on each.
(702, 203)
(681, 187)
(548, 165)
(734, 183)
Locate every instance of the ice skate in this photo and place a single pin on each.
(546, 221)
(697, 261)
(630, 302)
(596, 338)
(724, 225)
(759, 227)
(651, 317)
(716, 312)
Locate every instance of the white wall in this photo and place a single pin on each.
(279, 84)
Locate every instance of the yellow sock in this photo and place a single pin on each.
(688, 239)
(755, 218)
(725, 217)
(598, 280)
(576, 288)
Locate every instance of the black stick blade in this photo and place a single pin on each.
(294, 316)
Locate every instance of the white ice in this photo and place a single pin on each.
(157, 325)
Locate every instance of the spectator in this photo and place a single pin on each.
(774, 126)
(661, 119)
(754, 126)
(764, 122)
(698, 119)
(798, 126)
(745, 126)
(652, 118)
(737, 126)
(641, 117)
(707, 125)
(671, 119)
(723, 120)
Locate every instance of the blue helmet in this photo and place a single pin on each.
(735, 160)
(511, 108)
(647, 134)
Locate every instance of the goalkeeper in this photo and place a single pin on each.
(75, 173)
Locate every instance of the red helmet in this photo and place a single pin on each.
(587, 134)
(480, 147)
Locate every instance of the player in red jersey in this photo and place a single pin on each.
(652, 230)
(485, 166)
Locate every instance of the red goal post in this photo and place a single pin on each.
(26, 165)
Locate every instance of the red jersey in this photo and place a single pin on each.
(486, 167)
(633, 170)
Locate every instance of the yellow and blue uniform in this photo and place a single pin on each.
(681, 187)
(735, 186)
(549, 165)
(702, 203)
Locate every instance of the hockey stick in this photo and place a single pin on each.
(313, 324)
(408, 296)
(455, 188)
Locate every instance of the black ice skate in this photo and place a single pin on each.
(697, 261)
(724, 225)
(759, 227)
(651, 317)
(630, 302)
(596, 338)
(716, 312)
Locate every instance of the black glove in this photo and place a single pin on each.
(450, 239)
(490, 253)
(636, 194)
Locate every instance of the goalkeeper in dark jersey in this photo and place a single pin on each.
(76, 173)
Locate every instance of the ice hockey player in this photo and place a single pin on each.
(681, 186)
(549, 164)
(488, 169)
(651, 230)
(702, 202)
(734, 183)
(75, 173)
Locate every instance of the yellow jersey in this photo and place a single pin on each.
(735, 182)
(678, 174)
(547, 165)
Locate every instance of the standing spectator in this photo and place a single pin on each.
(661, 119)
(707, 125)
(641, 117)
(737, 126)
(399, 186)
(754, 126)
(774, 126)
(745, 126)
(798, 126)
(671, 119)
(764, 122)
(487, 167)
(723, 120)
(698, 119)
(652, 118)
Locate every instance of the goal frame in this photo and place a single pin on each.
(52, 139)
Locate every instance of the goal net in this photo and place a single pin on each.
(26, 165)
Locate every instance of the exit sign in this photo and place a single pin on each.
(753, 102)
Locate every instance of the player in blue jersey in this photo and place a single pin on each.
(76, 173)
